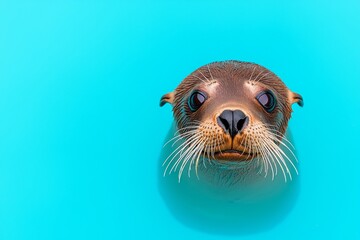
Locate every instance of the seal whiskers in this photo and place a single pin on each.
(268, 146)
(178, 151)
(233, 117)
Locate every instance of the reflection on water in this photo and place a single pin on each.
(209, 205)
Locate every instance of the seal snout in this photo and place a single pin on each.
(233, 122)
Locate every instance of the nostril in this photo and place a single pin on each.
(241, 124)
(225, 123)
(225, 120)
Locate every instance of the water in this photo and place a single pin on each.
(81, 132)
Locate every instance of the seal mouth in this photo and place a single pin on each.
(233, 155)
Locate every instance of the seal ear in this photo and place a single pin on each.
(296, 98)
(167, 98)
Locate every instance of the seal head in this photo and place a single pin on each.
(232, 111)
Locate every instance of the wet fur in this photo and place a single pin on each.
(197, 140)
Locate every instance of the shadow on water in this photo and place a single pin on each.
(246, 207)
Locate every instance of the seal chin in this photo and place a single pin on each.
(233, 155)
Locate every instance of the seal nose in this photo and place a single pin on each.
(232, 122)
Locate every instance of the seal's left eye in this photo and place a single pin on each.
(196, 100)
(267, 100)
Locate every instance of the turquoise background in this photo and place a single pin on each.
(81, 130)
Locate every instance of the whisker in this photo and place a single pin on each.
(287, 147)
(197, 160)
(212, 148)
(257, 152)
(185, 136)
(245, 143)
(263, 76)
(250, 147)
(178, 151)
(200, 79)
(252, 73)
(188, 157)
(196, 155)
(271, 150)
(210, 72)
(179, 137)
(284, 154)
(190, 127)
(271, 141)
(263, 157)
(184, 154)
(255, 80)
(181, 145)
(279, 134)
(271, 160)
(281, 156)
(204, 76)
(219, 139)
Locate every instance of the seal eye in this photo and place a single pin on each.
(196, 100)
(267, 100)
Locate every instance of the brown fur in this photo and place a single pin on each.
(231, 77)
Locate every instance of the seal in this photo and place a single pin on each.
(231, 113)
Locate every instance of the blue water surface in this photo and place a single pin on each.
(81, 130)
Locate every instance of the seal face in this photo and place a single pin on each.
(232, 112)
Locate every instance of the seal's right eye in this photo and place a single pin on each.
(196, 99)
